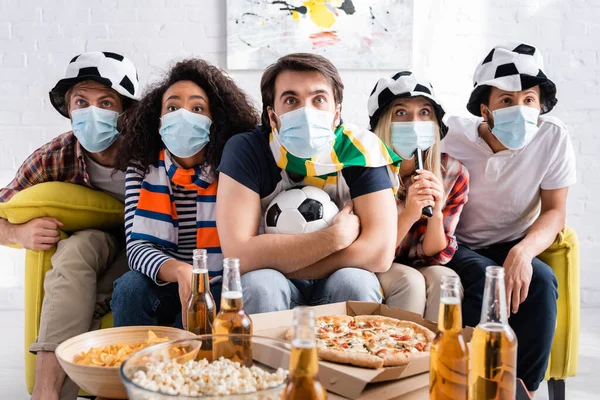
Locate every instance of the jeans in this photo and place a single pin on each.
(534, 323)
(138, 300)
(267, 290)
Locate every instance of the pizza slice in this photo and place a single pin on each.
(369, 340)
(338, 340)
(395, 340)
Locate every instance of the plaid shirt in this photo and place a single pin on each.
(456, 187)
(59, 160)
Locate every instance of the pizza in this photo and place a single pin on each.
(370, 341)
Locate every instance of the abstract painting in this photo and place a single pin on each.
(353, 34)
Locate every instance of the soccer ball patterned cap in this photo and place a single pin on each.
(110, 69)
(403, 84)
(512, 67)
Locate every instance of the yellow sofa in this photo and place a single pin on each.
(72, 204)
(78, 208)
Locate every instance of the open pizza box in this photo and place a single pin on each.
(346, 380)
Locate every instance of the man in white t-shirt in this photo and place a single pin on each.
(521, 165)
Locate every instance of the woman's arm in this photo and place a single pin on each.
(144, 256)
(438, 244)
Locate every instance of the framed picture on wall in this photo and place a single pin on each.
(353, 34)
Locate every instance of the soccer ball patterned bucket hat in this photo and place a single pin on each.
(403, 84)
(110, 69)
(513, 67)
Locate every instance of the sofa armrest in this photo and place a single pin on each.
(77, 207)
(563, 257)
(37, 263)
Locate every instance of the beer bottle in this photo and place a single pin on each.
(494, 345)
(449, 360)
(201, 306)
(232, 318)
(304, 364)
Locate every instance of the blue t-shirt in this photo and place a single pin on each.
(248, 159)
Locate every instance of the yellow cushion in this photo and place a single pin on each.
(77, 207)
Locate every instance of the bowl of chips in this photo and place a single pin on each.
(92, 359)
(234, 366)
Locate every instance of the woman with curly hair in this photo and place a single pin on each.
(172, 146)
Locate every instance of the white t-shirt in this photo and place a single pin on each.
(504, 188)
(105, 179)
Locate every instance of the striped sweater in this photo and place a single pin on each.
(160, 229)
(147, 257)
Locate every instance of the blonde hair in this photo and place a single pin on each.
(432, 157)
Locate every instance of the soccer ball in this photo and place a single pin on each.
(300, 210)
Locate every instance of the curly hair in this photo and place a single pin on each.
(231, 109)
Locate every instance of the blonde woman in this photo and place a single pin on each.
(405, 114)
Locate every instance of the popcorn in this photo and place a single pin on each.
(221, 377)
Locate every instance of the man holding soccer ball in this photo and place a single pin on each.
(302, 142)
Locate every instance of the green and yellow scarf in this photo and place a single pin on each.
(353, 147)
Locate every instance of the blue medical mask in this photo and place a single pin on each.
(185, 133)
(407, 136)
(307, 132)
(95, 128)
(515, 126)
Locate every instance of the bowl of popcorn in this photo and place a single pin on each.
(92, 359)
(232, 366)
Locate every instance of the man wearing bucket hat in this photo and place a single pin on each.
(521, 165)
(98, 87)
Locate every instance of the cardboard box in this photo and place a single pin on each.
(348, 381)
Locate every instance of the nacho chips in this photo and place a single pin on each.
(114, 355)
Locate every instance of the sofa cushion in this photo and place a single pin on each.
(77, 207)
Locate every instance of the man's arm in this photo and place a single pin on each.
(33, 171)
(550, 222)
(539, 237)
(238, 222)
(37, 234)
(7, 233)
(373, 250)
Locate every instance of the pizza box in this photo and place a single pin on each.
(346, 380)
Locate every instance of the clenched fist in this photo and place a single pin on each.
(38, 234)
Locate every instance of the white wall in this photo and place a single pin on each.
(38, 38)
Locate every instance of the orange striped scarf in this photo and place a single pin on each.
(155, 217)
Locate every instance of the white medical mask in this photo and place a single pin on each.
(95, 128)
(307, 132)
(516, 126)
(406, 137)
(185, 133)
